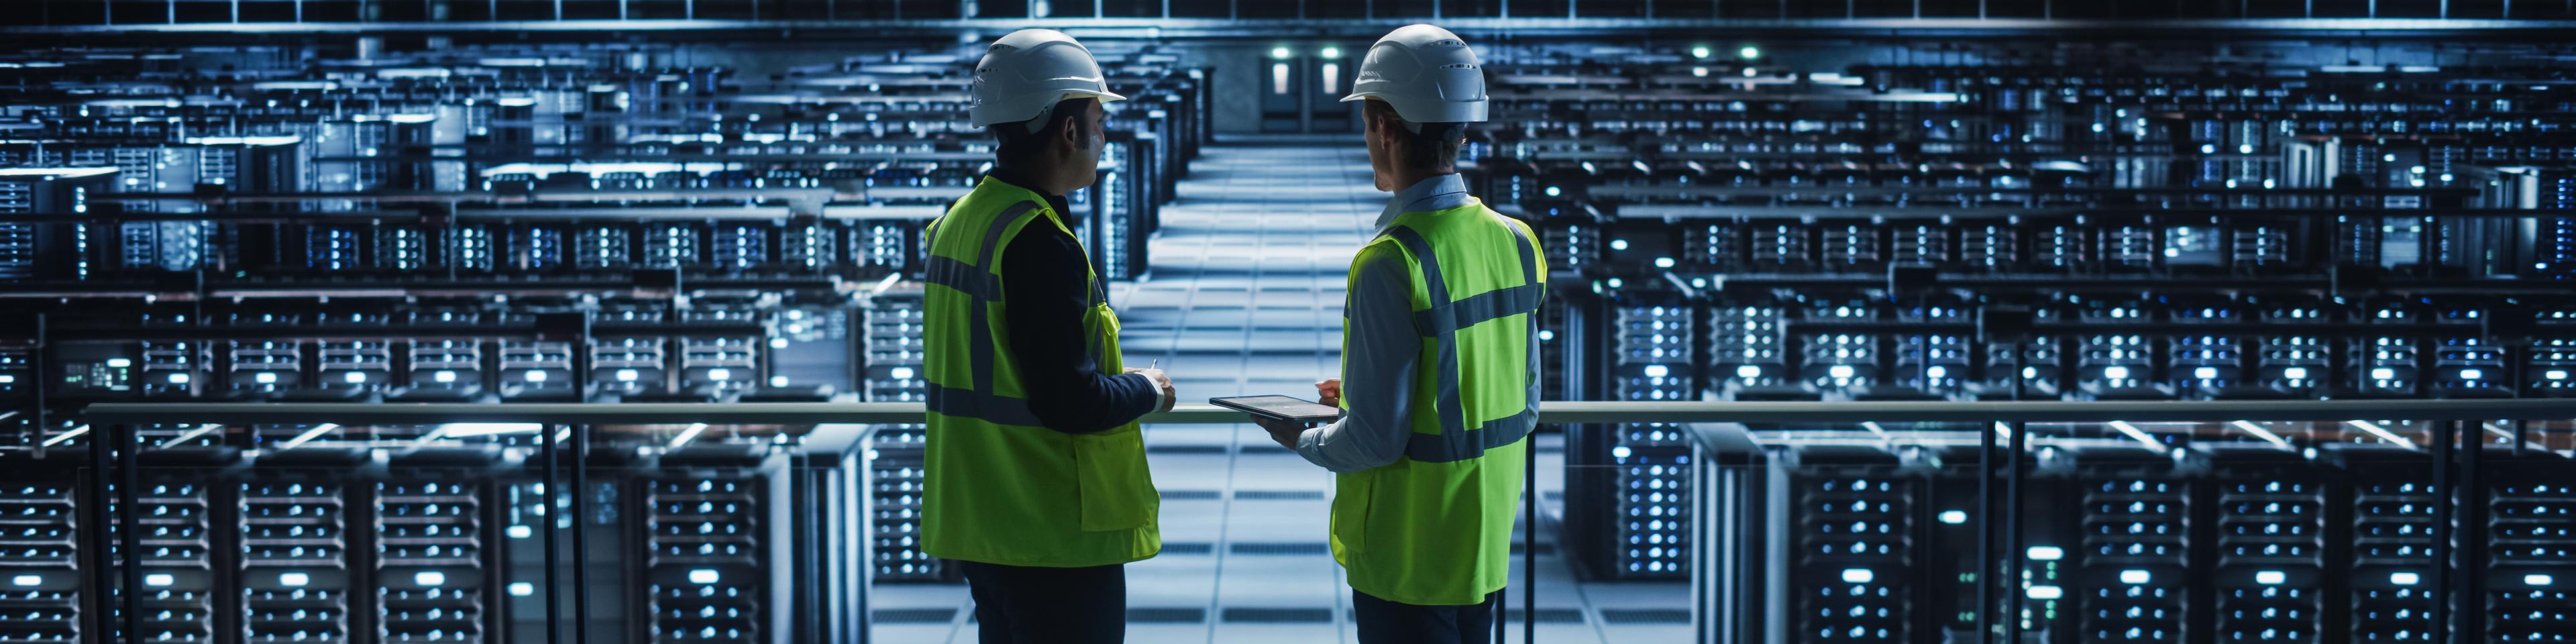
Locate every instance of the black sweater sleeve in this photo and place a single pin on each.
(1046, 295)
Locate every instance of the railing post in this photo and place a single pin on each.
(2472, 541)
(130, 538)
(1986, 533)
(552, 516)
(2012, 555)
(94, 512)
(580, 512)
(2447, 493)
(864, 531)
(1703, 550)
(1529, 535)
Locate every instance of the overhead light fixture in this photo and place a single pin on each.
(2139, 435)
(2382, 432)
(316, 432)
(2259, 432)
(1749, 52)
(688, 435)
(1281, 53)
(1700, 52)
(1330, 53)
(65, 436)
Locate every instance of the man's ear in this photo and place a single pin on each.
(1070, 131)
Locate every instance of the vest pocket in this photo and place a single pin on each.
(1353, 494)
(1116, 488)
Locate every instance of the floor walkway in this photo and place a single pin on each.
(1245, 297)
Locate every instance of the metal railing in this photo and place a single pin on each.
(1728, 572)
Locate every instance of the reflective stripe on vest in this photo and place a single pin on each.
(980, 283)
(1456, 441)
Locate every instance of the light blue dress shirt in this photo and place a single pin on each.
(1378, 364)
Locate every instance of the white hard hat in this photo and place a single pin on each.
(1426, 73)
(1026, 73)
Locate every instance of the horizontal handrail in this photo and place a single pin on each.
(1549, 412)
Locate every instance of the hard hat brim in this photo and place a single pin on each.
(1105, 97)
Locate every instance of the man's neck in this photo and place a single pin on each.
(1024, 177)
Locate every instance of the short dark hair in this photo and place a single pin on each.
(1436, 146)
(1014, 139)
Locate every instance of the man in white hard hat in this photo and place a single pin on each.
(1035, 478)
(1439, 351)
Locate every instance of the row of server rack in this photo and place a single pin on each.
(2106, 225)
(488, 224)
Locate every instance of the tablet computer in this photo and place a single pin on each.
(1279, 407)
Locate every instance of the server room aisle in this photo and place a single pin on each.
(1245, 297)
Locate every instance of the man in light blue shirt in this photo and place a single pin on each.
(1430, 448)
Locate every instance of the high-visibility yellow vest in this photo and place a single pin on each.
(1435, 527)
(1000, 488)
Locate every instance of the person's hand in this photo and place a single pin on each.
(1162, 382)
(1284, 432)
(1329, 392)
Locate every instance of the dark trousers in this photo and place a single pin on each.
(1027, 604)
(1386, 622)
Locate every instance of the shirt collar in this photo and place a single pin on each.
(1440, 192)
(1054, 202)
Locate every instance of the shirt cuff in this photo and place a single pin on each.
(1310, 442)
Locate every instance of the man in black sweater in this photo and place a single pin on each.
(1036, 481)
(1050, 292)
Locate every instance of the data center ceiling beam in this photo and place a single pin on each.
(1261, 29)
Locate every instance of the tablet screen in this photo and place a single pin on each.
(1279, 407)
